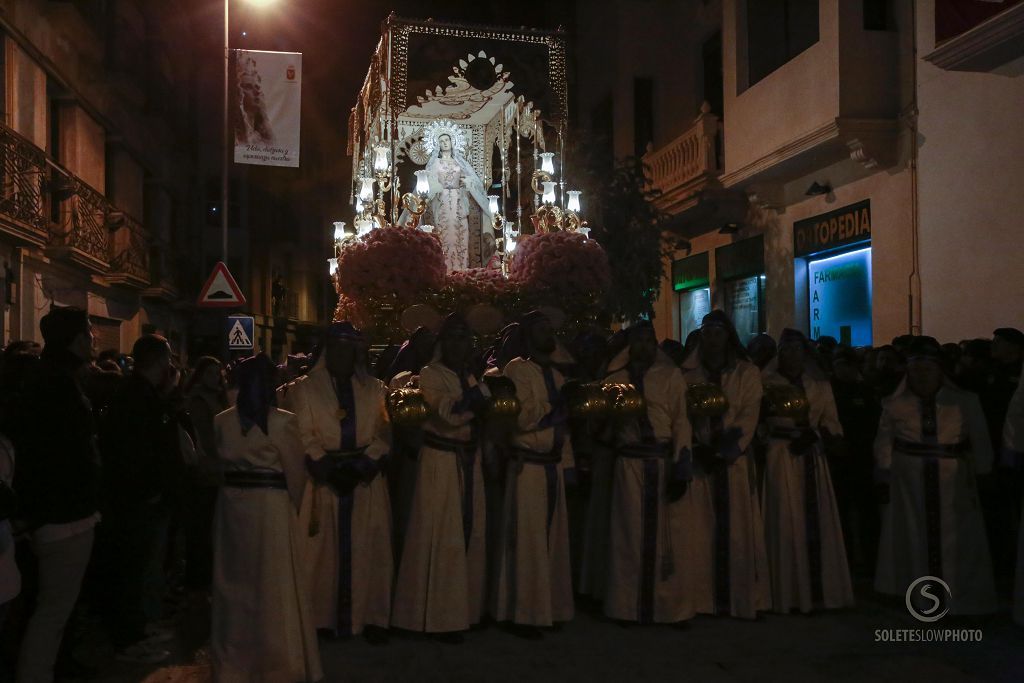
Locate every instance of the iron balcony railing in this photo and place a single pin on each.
(43, 202)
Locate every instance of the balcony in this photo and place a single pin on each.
(987, 46)
(24, 168)
(79, 233)
(43, 204)
(129, 255)
(686, 172)
(687, 165)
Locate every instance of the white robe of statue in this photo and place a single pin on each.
(453, 183)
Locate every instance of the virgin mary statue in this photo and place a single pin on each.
(453, 183)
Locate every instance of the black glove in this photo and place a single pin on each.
(344, 477)
(677, 489)
(320, 470)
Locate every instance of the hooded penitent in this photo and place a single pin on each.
(256, 391)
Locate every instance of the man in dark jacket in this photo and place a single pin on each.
(142, 478)
(57, 482)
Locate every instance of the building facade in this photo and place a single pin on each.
(96, 200)
(847, 168)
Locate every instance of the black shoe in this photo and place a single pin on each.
(682, 625)
(525, 632)
(450, 638)
(375, 635)
(556, 627)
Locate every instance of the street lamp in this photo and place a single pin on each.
(226, 157)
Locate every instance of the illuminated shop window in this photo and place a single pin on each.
(839, 297)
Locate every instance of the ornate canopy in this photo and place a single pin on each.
(491, 82)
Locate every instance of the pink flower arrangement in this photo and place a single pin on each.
(349, 311)
(399, 262)
(561, 265)
(475, 286)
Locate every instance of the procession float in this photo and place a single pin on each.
(462, 196)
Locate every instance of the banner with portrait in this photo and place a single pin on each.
(265, 98)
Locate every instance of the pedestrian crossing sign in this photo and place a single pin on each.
(240, 332)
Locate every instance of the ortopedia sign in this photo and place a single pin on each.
(848, 225)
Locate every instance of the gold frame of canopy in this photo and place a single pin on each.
(384, 116)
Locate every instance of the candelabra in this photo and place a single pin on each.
(550, 217)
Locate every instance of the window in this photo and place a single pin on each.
(954, 17)
(713, 80)
(878, 15)
(739, 268)
(839, 293)
(643, 115)
(777, 31)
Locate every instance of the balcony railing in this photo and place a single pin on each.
(80, 227)
(24, 170)
(129, 254)
(41, 202)
(683, 166)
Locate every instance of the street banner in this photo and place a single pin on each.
(265, 107)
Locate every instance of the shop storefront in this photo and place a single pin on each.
(833, 253)
(739, 269)
(692, 287)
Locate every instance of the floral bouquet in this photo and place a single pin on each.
(561, 268)
(390, 262)
(464, 288)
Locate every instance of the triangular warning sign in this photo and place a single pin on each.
(220, 290)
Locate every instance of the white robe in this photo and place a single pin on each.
(807, 564)
(441, 577)
(347, 540)
(645, 581)
(1013, 443)
(534, 583)
(737, 564)
(958, 551)
(262, 628)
